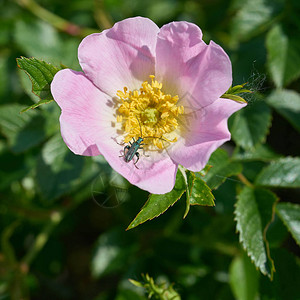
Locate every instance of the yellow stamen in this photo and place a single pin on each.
(150, 110)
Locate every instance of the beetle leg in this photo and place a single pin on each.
(144, 153)
(143, 150)
(125, 148)
(138, 157)
(133, 141)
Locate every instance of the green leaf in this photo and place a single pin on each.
(259, 153)
(204, 171)
(41, 75)
(125, 294)
(277, 44)
(222, 168)
(39, 39)
(250, 126)
(4, 75)
(243, 278)
(157, 10)
(233, 92)
(281, 173)
(287, 103)
(254, 212)
(285, 284)
(237, 89)
(253, 16)
(159, 291)
(198, 193)
(283, 56)
(158, 204)
(22, 131)
(35, 105)
(293, 60)
(234, 98)
(58, 169)
(290, 215)
(111, 252)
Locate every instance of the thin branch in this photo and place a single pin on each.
(41, 239)
(56, 21)
(244, 180)
(102, 18)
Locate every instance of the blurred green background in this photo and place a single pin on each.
(63, 217)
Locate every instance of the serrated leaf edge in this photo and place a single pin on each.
(130, 226)
(210, 192)
(249, 253)
(33, 106)
(283, 220)
(273, 162)
(189, 189)
(260, 141)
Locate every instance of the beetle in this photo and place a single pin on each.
(132, 150)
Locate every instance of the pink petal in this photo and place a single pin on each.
(156, 174)
(120, 56)
(197, 72)
(82, 106)
(88, 128)
(206, 130)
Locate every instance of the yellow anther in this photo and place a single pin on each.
(150, 110)
(164, 115)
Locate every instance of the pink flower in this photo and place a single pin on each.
(165, 82)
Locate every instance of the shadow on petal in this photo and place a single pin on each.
(91, 150)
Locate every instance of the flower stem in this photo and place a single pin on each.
(54, 20)
(244, 180)
(103, 20)
(41, 239)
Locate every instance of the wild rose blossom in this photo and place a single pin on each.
(138, 80)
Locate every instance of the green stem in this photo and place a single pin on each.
(54, 20)
(207, 243)
(30, 213)
(42, 238)
(102, 18)
(7, 248)
(244, 180)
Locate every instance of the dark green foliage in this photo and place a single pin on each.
(286, 103)
(290, 215)
(250, 126)
(254, 212)
(281, 173)
(222, 167)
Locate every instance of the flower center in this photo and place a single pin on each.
(149, 113)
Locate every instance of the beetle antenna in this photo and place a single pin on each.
(140, 126)
(161, 138)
